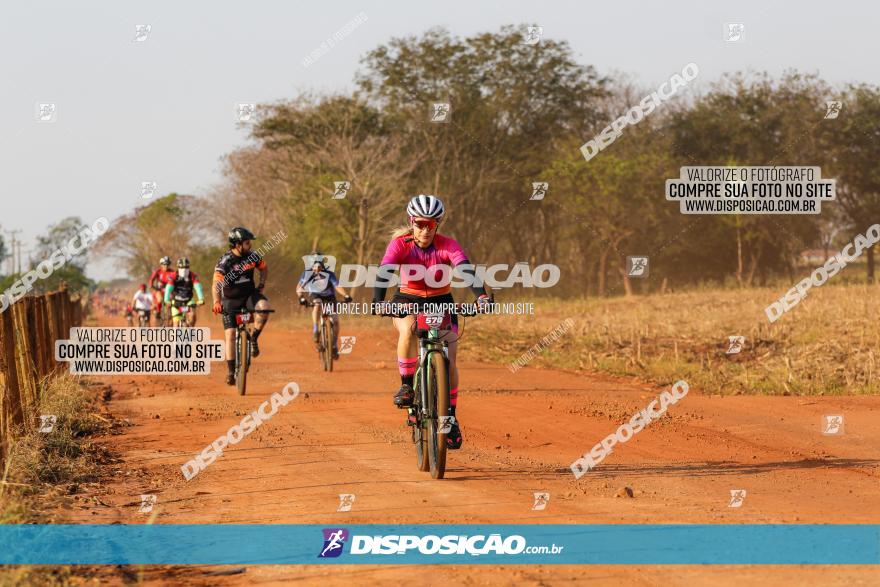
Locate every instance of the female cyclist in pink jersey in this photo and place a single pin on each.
(419, 244)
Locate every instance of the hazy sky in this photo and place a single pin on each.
(164, 109)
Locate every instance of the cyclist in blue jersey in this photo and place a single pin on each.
(318, 286)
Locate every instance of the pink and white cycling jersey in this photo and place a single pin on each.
(443, 251)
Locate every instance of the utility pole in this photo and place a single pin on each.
(27, 260)
(12, 245)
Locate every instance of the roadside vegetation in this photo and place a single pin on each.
(826, 345)
(44, 469)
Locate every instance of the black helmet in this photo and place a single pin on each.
(238, 234)
(166, 260)
(318, 257)
(183, 263)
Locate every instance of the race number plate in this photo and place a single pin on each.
(438, 321)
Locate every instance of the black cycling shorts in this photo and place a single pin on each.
(313, 297)
(402, 298)
(325, 301)
(232, 305)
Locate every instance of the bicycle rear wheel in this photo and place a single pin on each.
(420, 439)
(438, 396)
(242, 367)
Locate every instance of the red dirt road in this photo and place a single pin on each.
(521, 432)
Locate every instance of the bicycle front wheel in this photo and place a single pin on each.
(420, 430)
(242, 367)
(438, 398)
(328, 345)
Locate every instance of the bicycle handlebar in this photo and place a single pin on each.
(305, 302)
(414, 308)
(189, 303)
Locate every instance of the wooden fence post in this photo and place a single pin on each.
(33, 334)
(45, 342)
(10, 402)
(28, 330)
(65, 305)
(76, 305)
(27, 377)
(55, 322)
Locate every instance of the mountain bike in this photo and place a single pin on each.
(185, 313)
(429, 415)
(143, 318)
(326, 335)
(243, 319)
(326, 332)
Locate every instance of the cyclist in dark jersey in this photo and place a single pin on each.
(234, 288)
(180, 287)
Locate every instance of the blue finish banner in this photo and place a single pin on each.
(648, 544)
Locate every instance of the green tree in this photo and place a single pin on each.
(615, 207)
(3, 252)
(308, 145)
(756, 120)
(72, 273)
(853, 143)
(173, 225)
(512, 105)
(58, 235)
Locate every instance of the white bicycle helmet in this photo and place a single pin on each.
(423, 206)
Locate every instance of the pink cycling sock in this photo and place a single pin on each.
(453, 397)
(407, 366)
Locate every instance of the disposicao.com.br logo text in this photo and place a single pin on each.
(456, 544)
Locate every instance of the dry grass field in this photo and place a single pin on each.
(826, 345)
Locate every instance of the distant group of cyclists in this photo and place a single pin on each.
(171, 299)
(234, 287)
(108, 301)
